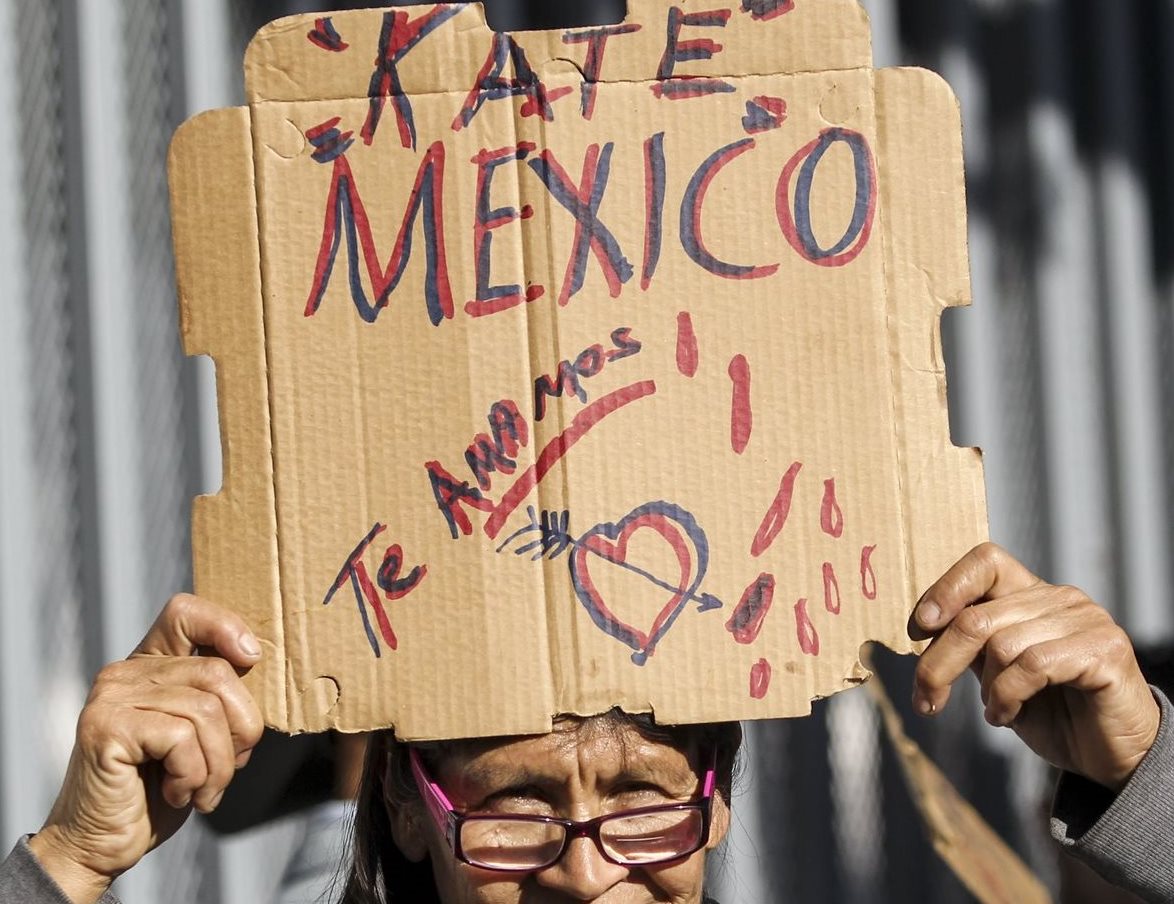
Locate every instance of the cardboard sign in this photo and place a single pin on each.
(575, 369)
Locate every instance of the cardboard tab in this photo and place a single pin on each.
(234, 548)
(581, 369)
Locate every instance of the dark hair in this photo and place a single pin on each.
(380, 874)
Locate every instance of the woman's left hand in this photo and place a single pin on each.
(1053, 665)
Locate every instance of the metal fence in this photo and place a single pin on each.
(1061, 372)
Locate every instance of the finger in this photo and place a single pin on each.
(1074, 662)
(115, 737)
(1007, 645)
(184, 771)
(127, 682)
(206, 714)
(963, 642)
(986, 572)
(188, 623)
(192, 740)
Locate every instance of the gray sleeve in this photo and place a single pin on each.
(1128, 838)
(22, 881)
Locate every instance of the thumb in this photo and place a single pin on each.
(987, 572)
(189, 623)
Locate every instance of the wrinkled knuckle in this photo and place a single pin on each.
(252, 729)
(113, 672)
(994, 693)
(1000, 651)
(179, 606)
(108, 679)
(973, 624)
(218, 672)
(1035, 661)
(93, 728)
(1116, 644)
(206, 707)
(989, 552)
(925, 675)
(101, 687)
(193, 777)
(183, 733)
(1072, 596)
(1107, 621)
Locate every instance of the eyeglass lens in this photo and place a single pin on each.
(507, 844)
(635, 839)
(652, 837)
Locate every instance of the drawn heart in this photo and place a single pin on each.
(608, 543)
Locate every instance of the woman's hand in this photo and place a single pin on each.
(1053, 665)
(162, 733)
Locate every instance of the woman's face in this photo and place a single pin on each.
(578, 772)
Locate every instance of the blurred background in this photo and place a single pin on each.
(1061, 372)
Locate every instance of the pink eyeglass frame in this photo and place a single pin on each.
(449, 821)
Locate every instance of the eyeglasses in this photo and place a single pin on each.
(518, 843)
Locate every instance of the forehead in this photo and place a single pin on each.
(575, 750)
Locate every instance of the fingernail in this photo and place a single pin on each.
(249, 645)
(215, 802)
(928, 614)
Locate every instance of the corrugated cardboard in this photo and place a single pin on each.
(576, 369)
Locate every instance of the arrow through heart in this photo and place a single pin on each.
(610, 541)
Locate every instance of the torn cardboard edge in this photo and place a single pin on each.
(972, 850)
(239, 281)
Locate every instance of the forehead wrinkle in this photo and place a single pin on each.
(513, 762)
(578, 753)
(638, 759)
(498, 775)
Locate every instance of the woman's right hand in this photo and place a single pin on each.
(1052, 665)
(163, 732)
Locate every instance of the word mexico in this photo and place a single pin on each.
(346, 215)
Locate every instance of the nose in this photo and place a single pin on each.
(582, 873)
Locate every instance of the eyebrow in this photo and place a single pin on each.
(483, 775)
